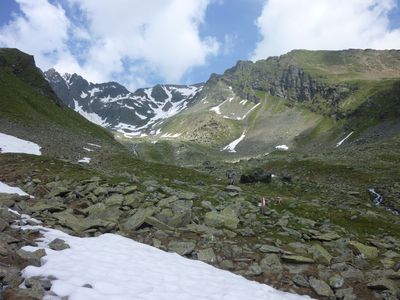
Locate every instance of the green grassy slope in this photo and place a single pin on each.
(30, 110)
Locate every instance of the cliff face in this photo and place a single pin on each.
(319, 80)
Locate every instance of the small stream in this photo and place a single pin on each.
(379, 201)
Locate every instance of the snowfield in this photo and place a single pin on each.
(12, 144)
(114, 267)
(6, 189)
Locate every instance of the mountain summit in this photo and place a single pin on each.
(112, 106)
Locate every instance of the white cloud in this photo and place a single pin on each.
(42, 30)
(103, 40)
(325, 24)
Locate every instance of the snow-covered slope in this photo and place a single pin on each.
(12, 144)
(114, 267)
(112, 106)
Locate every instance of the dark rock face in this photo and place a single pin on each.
(258, 175)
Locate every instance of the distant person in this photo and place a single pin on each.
(231, 177)
(262, 205)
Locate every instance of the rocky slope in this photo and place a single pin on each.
(341, 250)
(112, 106)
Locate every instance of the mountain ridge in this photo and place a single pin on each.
(113, 106)
(300, 99)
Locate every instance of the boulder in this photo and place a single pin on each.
(181, 247)
(367, 252)
(227, 218)
(157, 223)
(182, 213)
(79, 225)
(21, 294)
(336, 281)
(129, 189)
(270, 249)
(6, 217)
(58, 245)
(134, 200)
(254, 270)
(300, 280)
(321, 288)
(326, 237)
(382, 284)
(167, 202)
(346, 293)
(32, 258)
(8, 200)
(297, 259)
(320, 255)
(185, 195)
(100, 191)
(52, 207)
(207, 255)
(11, 276)
(59, 191)
(271, 264)
(102, 212)
(44, 283)
(116, 199)
(137, 220)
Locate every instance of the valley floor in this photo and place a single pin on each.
(321, 235)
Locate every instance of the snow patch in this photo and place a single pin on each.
(84, 160)
(140, 116)
(12, 144)
(216, 109)
(94, 145)
(6, 189)
(92, 117)
(93, 91)
(246, 114)
(117, 267)
(83, 95)
(341, 142)
(187, 91)
(282, 147)
(170, 135)
(88, 149)
(231, 147)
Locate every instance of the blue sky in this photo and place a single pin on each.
(141, 43)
